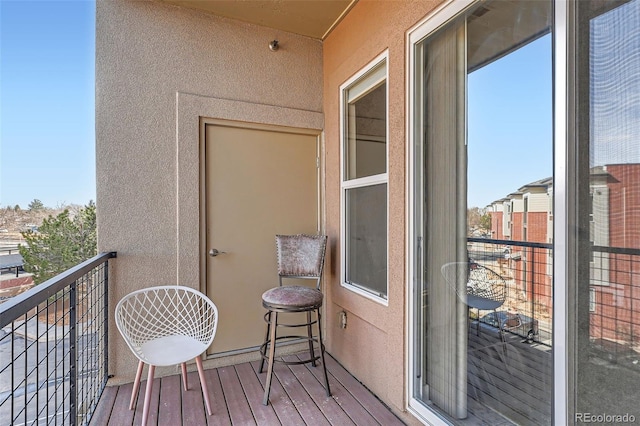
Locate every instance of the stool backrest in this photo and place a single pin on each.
(301, 256)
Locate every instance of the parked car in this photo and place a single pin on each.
(512, 322)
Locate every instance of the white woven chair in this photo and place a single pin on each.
(484, 289)
(166, 325)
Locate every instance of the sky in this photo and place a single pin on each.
(47, 102)
(510, 128)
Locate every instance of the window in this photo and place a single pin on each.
(364, 180)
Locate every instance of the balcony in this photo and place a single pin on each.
(54, 370)
(54, 355)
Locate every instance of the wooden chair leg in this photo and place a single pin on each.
(147, 395)
(185, 384)
(203, 383)
(136, 385)
(272, 354)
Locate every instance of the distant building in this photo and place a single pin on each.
(614, 229)
(526, 215)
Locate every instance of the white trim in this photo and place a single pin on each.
(561, 228)
(382, 178)
(443, 14)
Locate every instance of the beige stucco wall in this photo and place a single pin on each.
(373, 346)
(158, 68)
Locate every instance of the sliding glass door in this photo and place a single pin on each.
(482, 214)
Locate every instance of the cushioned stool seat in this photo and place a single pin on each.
(292, 298)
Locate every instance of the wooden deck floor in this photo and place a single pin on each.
(297, 398)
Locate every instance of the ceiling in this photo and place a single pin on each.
(312, 18)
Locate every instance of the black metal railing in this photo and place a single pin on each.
(614, 291)
(527, 269)
(53, 348)
(614, 304)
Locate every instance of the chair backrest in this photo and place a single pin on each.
(486, 283)
(472, 279)
(155, 312)
(301, 256)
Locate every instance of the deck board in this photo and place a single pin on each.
(327, 405)
(220, 415)
(170, 405)
(309, 411)
(297, 398)
(192, 402)
(343, 397)
(120, 414)
(103, 410)
(235, 397)
(279, 400)
(368, 400)
(263, 415)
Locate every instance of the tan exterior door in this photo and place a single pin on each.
(258, 182)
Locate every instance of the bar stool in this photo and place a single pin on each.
(299, 256)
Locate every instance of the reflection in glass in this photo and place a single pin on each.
(608, 276)
(366, 150)
(366, 208)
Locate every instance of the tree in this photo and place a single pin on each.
(478, 220)
(485, 222)
(36, 205)
(60, 243)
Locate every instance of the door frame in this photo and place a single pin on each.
(202, 170)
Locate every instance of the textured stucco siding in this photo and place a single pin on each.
(158, 68)
(374, 344)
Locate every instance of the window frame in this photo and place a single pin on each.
(366, 181)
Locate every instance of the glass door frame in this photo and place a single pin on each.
(564, 173)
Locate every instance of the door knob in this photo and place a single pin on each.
(214, 252)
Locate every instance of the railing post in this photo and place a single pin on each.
(73, 374)
(532, 267)
(105, 320)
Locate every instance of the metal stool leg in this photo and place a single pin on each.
(263, 350)
(312, 354)
(272, 354)
(324, 364)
